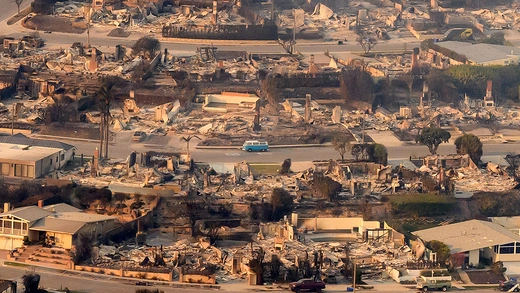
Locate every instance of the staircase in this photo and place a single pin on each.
(44, 256)
(27, 252)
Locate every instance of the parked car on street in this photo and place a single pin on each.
(427, 284)
(510, 285)
(310, 285)
(138, 136)
(255, 145)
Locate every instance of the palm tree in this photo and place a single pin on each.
(187, 140)
(105, 97)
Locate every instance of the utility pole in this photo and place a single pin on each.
(363, 128)
(12, 120)
(293, 43)
(354, 277)
(89, 15)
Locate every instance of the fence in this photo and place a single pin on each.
(223, 32)
(148, 273)
(130, 228)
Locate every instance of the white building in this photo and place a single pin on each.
(478, 240)
(25, 157)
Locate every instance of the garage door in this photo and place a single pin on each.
(513, 267)
(5, 243)
(9, 243)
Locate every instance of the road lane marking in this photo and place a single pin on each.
(232, 154)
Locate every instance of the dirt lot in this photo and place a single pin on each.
(484, 277)
(282, 136)
(75, 130)
(54, 24)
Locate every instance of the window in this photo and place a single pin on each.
(5, 168)
(23, 170)
(50, 163)
(18, 170)
(62, 157)
(30, 171)
(508, 248)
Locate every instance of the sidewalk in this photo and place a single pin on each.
(125, 280)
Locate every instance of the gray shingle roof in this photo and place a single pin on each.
(30, 213)
(469, 235)
(61, 208)
(51, 224)
(24, 140)
(480, 53)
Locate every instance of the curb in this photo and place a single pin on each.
(17, 17)
(279, 146)
(64, 138)
(116, 278)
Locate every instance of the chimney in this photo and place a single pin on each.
(221, 64)
(307, 108)
(294, 219)
(95, 163)
(118, 53)
(215, 10)
(40, 203)
(414, 58)
(93, 61)
(7, 207)
(489, 90)
(433, 4)
(311, 59)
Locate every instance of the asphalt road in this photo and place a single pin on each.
(94, 284)
(99, 39)
(122, 147)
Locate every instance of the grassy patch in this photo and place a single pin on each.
(479, 287)
(422, 204)
(264, 169)
(420, 197)
(23, 13)
(15, 264)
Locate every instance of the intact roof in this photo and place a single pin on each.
(22, 153)
(30, 213)
(61, 208)
(67, 222)
(469, 235)
(480, 53)
(24, 140)
(51, 224)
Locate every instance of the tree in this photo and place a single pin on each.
(256, 264)
(513, 160)
(146, 46)
(187, 139)
(286, 167)
(104, 99)
(193, 212)
(380, 154)
(83, 251)
(408, 78)
(325, 187)
(356, 84)
(18, 3)
(469, 144)
(432, 137)
(60, 112)
(341, 144)
(367, 43)
(31, 283)
(441, 249)
(282, 203)
(497, 38)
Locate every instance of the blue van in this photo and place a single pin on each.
(255, 145)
